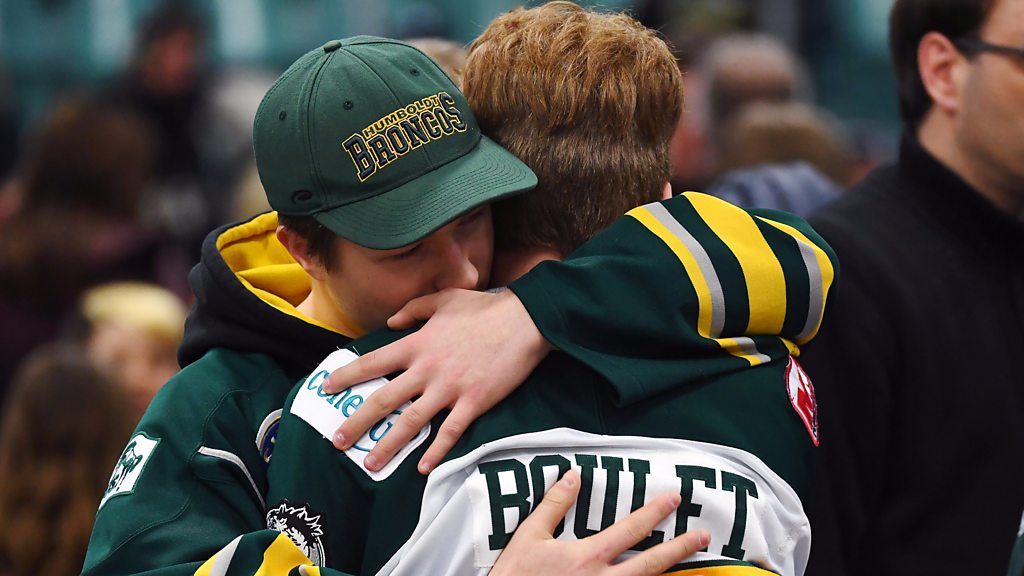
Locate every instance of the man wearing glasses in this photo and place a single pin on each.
(917, 369)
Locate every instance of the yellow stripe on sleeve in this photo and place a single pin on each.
(700, 284)
(794, 350)
(824, 264)
(207, 568)
(280, 557)
(747, 350)
(762, 271)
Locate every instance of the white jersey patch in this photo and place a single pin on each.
(326, 412)
(472, 504)
(130, 466)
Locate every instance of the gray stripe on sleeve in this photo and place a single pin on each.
(750, 349)
(228, 456)
(815, 297)
(661, 214)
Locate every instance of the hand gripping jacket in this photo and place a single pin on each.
(626, 308)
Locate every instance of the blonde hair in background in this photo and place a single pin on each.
(783, 132)
(589, 101)
(450, 56)
(146, 307)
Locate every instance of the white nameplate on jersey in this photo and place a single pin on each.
(472, 504)
(129, 466)
(326, 412)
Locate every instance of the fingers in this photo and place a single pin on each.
(455, 424)
(626, 532)
(555, 505)
(417, 310)
(378, 405)
(380, 362)
(403, 430)
(665, 555)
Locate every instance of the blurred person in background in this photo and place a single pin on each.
(167, 86)
(783, 132)
(917, 369)
(81, 181)
(734, 70)
(742, 68)
(63, 424)
(133, 330)
(450, 56)
(784, 156)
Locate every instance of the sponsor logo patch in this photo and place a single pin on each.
(302, 525)
(801, 396)
(130, 466)
(326, 412)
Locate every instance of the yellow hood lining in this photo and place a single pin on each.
(263, 265)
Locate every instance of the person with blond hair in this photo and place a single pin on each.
(132, 329)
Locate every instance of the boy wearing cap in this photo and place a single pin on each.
(335, 133)
(381, 179)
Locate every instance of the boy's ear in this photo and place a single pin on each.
(298, 247)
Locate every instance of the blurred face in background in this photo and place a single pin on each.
(140, 361)
(171, 65)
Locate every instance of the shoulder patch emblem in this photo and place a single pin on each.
(266, 436)
(326, 412)
(129, 466)
(299, 523)
(801, 396)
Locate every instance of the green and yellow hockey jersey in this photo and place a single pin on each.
(693, 277)
(736, 447)
(730, 423)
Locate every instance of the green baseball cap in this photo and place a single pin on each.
(369, 137)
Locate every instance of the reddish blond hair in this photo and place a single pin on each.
(589, 101)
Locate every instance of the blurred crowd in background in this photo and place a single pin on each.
(125, 137)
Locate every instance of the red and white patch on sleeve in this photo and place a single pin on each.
(801, 395)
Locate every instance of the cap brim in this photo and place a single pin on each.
(418, 208)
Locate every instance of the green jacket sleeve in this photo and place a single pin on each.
(192, 477)
(693, 278)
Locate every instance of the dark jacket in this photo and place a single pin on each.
(916, 373)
